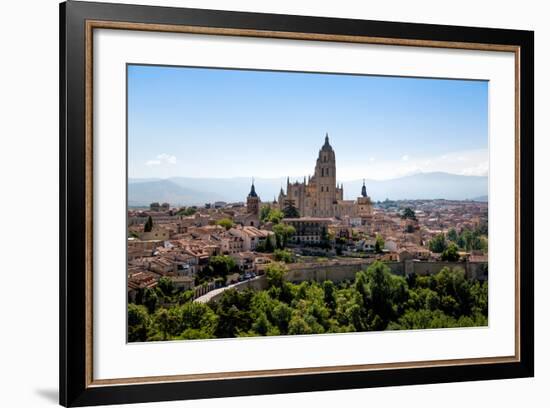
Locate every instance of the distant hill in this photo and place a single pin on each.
(146, 192)
(483, 198)
(423, 186)
(198, 191)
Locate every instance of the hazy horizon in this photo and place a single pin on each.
(300, 178)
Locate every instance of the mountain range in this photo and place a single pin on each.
(198, 191)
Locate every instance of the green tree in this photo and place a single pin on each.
(219, 266)
(163, 324)
(385, 293)
(233, 311)
(325, 238)
(138, 323)
(185, 296)
(379, 244)
(198, 316)
(268, 245)
(166, 285)
(226, 223)
(452, 235)
(283, 255)
(186, 212)
(264, 213)
(290, 211)
(283, 232)
(282, 314)
(329, 294)
(454, 291)
(450, 254)
(150, 299)
(148, 227)
(408, 213)
(275, 273)
(275, 216)
(438, 243)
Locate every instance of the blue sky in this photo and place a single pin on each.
(201, 122)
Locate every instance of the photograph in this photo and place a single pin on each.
(280, 203)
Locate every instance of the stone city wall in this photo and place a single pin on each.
(340, 270)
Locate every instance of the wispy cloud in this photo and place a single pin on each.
(161, 159)
(467, 163)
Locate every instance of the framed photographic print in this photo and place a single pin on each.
(256, 203)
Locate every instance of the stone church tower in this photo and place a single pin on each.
(325, 178)
(253, 201)
(364, 204)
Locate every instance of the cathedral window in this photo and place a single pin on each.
(327, 172)
(321, 189)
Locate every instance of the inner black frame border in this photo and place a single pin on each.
(73, 388)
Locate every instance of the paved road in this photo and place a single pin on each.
(207, 297)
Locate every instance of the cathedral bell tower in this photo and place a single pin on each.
(365, 205)
(253, 201)
(325, 177)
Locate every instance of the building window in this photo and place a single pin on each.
(326, 189)
(321, 189)
(327, 172)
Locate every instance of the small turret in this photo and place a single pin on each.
(364, 190)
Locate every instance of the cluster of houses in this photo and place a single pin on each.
(178, 246)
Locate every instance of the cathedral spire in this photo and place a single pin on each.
(327, 145)
(252, 190)
(364, 189)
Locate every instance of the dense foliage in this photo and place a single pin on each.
(470, 239)
(408, 213)
(268, 214)
(227, 223)
(219, 266)
(290, 211)
(375, 300)
(186, 212)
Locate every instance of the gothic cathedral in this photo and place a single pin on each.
(320, 196)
